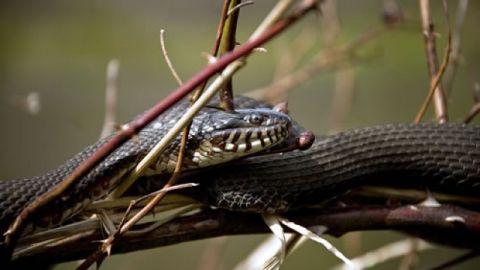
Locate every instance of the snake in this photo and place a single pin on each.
(442, 157)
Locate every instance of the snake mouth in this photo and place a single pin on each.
(230, 144)
(252, 139)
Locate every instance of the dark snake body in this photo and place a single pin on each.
(444, 158)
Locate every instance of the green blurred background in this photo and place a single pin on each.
(59, 49)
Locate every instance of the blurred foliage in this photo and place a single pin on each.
(60, 48)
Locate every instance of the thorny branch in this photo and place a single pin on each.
(463, 227)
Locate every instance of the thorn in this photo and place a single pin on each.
(455, 219)
(260, 49)
(281, 107)
(315, 5)
(318, 229)
(430, 201)
(120, 128)
(108, 249)
(8, 232)
(210, 58)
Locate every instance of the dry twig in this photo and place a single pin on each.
(436, 89)
(111, 91)
(167, 59)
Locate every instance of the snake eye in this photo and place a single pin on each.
(254, 119)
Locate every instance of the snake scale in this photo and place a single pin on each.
(442, 157)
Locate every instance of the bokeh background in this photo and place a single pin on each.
(55, 52)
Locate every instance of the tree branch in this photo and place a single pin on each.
(433, 223)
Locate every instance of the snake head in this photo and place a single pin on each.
(231, 135)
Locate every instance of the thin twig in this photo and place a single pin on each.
(221, 25)
(162, 192)
(111, 91)
(432, 63)
(167, 59)
(474, 111)
(239, 6)
(434, 86)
